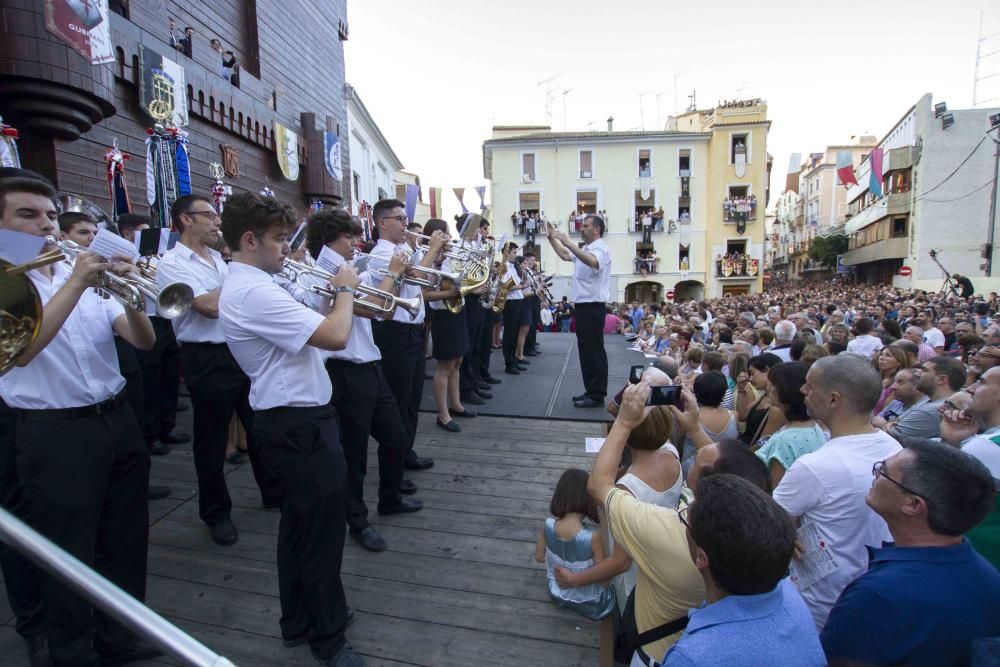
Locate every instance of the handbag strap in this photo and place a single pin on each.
(661, 631)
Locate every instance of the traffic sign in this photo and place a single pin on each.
(905, 271)
(670, 294)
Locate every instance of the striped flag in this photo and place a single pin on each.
(436, 202)
(792, 177)
(875, 174)
(412, 192)
(845, 169)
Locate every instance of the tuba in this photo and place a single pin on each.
(20, 314)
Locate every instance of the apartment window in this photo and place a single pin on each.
(685, 186)
(586, 202)
(898, 228)
(645, 163)
(357, 186)
(586, 164)
(529, 202)
(684, 162)
(736, 247)
(528, 167)
(737, 140)
(401, 191)
(684, 258)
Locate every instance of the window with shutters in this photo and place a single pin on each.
(586, 164)
(528, 174)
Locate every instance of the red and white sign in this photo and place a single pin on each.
(905, 271)
(85, 25)
(670, 294)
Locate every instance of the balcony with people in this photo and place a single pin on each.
(739, 208)
(737, 265)
(645, 261)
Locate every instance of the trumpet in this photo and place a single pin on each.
(422, 276)
(293, 270)
(171, 301)
(453, 250)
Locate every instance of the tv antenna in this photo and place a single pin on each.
(550, 92)
(991, 41)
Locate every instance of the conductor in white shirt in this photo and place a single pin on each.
(279, 343)
(81, 454)
(590, 294)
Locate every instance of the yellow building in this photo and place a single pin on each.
(669, 197)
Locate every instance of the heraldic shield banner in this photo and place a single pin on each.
(162, 92)
(286, 145)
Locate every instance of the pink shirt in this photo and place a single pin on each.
(611, 323)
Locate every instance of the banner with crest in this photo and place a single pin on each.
(286, 144)
(162, 91)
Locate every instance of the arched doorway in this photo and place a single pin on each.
(644, 291)
(688, 290)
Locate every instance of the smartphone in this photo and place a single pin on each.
(666, 396)
(635, 375)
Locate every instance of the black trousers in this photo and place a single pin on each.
(218, 388)
(485, 345)
(468, 374)
(535, 305)
(593, 356)
(22, 580)
(161, 375)
(128, 366)
(300, 448)
(513, 315)
(85, 480)
(365, 406)
(403, 364)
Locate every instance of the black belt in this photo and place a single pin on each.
(96, 410)
(343, 363)
(200, 344)
(394, 323)
(303, 412)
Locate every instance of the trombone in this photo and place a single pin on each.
(422, 276)
(132, 290)
(292, 271)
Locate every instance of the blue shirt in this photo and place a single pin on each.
(915, 605)
(772, 629)
(636, 316)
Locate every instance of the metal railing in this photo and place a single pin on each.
(104, 595)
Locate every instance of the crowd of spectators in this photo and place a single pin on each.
(824, 491)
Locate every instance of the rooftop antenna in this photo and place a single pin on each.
(564, 94)
(693, 103)
(980, 56)
(550, 91)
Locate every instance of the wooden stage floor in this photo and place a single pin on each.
(457, 586)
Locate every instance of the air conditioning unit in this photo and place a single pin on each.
(526, 178)
(585, 174)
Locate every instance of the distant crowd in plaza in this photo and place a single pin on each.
(824, 491)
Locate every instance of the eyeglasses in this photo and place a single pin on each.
(402, 218)
(212, 214)
(682, 515)
(879, 469)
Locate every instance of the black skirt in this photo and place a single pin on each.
(449, 335)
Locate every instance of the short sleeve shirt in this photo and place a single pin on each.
(592, 285)
(184, 265)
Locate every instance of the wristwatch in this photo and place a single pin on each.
(344, 288)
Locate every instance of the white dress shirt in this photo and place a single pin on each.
(592, 285)
(267, 331)
(828, 488)
(382, 254)
(182, 264)
(514, 294)
(865, 346)
(439, 304)
(361, 347)
(80, 366)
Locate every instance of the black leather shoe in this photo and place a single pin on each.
(531, 353)
(522, 368)
(464, 414)
(451, 426)
(580, 397)
(489, 379)
(482, 393)
(512, 370)
(523, 362)
(405, 506)
(158, 449)
(369, 539)
(175, 438)
(407, 487)
(588, 403)
(183, 407)
(414, 462)
(225, 533)
(345, 657)
(473, 398)
(38, 650)
(143, 650)
(485, 386)
(158, 492)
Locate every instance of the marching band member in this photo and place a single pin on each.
(514, 313)
(534, 302)
(218, 387)
(82, 457)
(472, 387)
(361, 395)
(450, 340)
(401, 339)
(278, 342)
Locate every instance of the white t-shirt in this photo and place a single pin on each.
(828, 488)
(864, 346)
(934, 337)
(984, 449)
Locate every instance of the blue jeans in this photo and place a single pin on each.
(564, 326)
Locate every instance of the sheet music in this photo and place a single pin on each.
(816, 563)
(108, 245)
(18, 247)
(593, 445)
